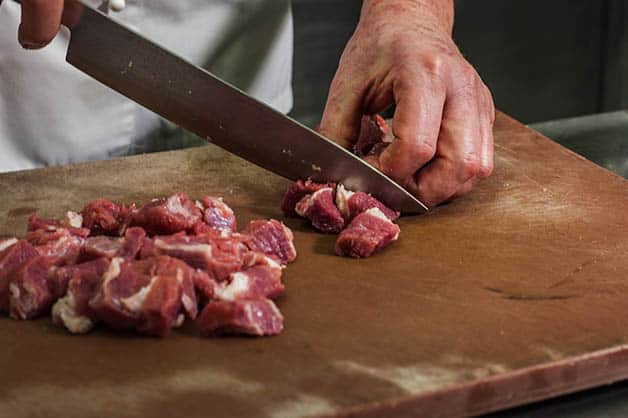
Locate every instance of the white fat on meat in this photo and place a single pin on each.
(7, 243)
(306, 203)
(342, 200)
(377, 213)
(74, 219)
(239, 284)
(113, 271)
(174, 205)
(134, 303)
(64, 314)
(186, 301)
(184, 247)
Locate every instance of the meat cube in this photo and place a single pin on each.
(167, 215)
(110, 247)
(64, 249)
(216, 255)
(272, 238)
(321, 210)
(29, 293)
(368, 233)
(104, 217)
(46, 227)
(242, 316)
(82, 282)
(12, 256)
(217, 215)
(351, 204)
(298, 191)
(261, 280)
(149, 296)
(373, 133)
(60, 277)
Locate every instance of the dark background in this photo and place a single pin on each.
(543, 60)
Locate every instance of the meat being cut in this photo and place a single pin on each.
(320, 209)
(351, 204)
(169, 215)
(368, 233)
(14, 254)
(373, 136)
(298, 191)
(272, 238)
(242, 316)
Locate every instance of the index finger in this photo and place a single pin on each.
(40, 22)
(416, 124)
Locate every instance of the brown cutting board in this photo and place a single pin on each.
(514, 293)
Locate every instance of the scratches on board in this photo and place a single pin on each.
(530, 297)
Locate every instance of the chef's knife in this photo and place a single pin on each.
(196, 100)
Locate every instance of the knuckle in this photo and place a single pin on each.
(469, 168)
(424, 151)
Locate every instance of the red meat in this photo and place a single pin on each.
(217, 215)
(104, 217)
(320, 209)
(351, 204)
(368, 233)
(298, 191)
(261, 280)
(216, 255)
(39, 226)
(12, 256)
(272, 238)
(149, 296)
(127, 247)
(29, 293)
(252, 317)
(373, 134)
(167, 215)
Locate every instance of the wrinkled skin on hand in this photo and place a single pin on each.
(402, 53)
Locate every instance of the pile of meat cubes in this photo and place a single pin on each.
(147, 269)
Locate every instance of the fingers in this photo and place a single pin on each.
(40, 22)
(343, 110)
(416, 125)
(460, 145)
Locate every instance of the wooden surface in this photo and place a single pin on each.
(514, 293)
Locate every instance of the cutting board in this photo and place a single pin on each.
(514, 293)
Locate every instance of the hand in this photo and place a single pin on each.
(41, 20)
(402, 53)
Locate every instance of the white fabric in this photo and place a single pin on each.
(51, 113)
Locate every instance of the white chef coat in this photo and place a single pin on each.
(51, 113)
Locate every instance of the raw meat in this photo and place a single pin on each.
(320, 209)
(39, 226)
(242, 316)
(167, 215)
(262, 279)
(127, 247)
(298, 191)
(373, 135)
(368, 233)
(11, 258)
(272, 238)
(104, 217)
(29, 293)
(217, 215)
(351, 204)
(82, 282)
(216, 255)
(147, 295)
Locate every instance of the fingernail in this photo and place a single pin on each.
(31, 45)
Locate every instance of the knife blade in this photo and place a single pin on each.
(193, 98)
